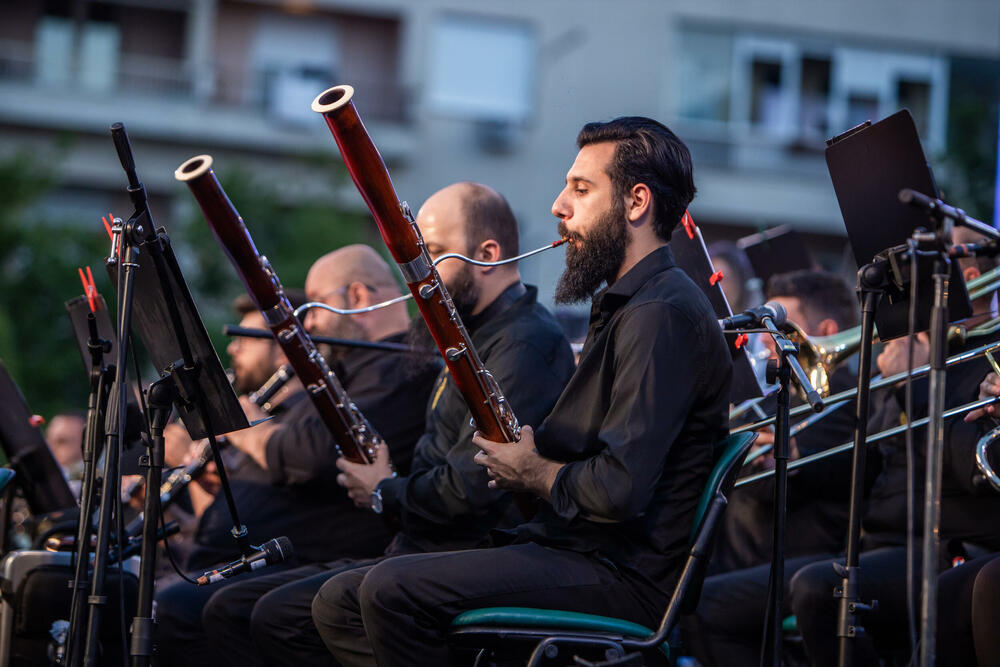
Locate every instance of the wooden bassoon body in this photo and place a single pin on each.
(490, 410)
(354, 436)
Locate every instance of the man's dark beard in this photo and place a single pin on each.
(344, 328)
(464, 294)
(246, 383)
(598, 260)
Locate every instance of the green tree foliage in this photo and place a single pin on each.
(969, 177)
(38, 274)
(292, 235)
(38, 267)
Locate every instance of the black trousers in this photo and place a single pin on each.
(398, 611)
(268, 620)
(883, 578)
(180, 636)
(727, 628)
(969, 613)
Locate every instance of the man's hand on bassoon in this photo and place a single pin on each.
(517, 465)
(361, 479)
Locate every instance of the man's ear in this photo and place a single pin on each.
(827, 327)
(638, 202)
(488, 251)
(358, 295)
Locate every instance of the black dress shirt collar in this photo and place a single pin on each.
(608, 300)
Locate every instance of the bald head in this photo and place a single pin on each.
(353, 263)
(478, 210)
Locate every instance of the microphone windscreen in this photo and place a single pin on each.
(780, 314)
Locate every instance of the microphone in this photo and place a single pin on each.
(271, 552)
(755, 317)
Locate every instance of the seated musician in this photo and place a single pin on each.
(728, 624)
(202, 512)
(621, 460)
(295, 456)
(969, 592)
(444, 503)
(820, 304)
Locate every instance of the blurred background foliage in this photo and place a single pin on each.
(39, 261)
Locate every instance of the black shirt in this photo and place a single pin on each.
(445, 502)
(637, 423)
(968, 512)
(298, 495)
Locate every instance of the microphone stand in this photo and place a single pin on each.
(873, 280)
(944, 217)
(781, 371)
(181, 384)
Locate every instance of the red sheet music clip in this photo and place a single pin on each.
(689, 225)
(89, 288)
(715, 277)
(741, 340)
(36, 420)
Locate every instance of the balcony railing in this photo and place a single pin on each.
(234, 84)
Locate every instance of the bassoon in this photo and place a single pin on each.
(354, 436)
(490, 410)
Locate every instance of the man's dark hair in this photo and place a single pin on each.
(647, 152)
(488, 216)
(822, 295)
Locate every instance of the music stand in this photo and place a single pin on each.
(869, 166)
(78, 309)
(777, 250)
(38, 475)
(692, 256)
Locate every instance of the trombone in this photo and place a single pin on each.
(882, 435)
(820, 355)
(920, 371)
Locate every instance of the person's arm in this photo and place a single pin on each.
(660, 357)
(531, 376)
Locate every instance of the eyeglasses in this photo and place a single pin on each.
(343, 289)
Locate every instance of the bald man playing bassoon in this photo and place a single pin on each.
(297, 454)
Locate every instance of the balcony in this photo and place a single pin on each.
(231, 104)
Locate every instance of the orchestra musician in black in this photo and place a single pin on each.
(620, 461)
(295, 455)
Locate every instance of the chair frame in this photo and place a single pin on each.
(686, 592)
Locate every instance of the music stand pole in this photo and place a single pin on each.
(100, 387)
(871, 285)
(935, 449)
(118, 407)
(162, 395)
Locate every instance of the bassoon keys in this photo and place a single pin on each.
(490, 409)
(354, 436)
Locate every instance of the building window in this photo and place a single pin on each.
(481, 69)
(801, 91)
(704, 75)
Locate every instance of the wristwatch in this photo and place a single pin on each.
(377, 500)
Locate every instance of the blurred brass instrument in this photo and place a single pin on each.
(829, 353)
(982, 457)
